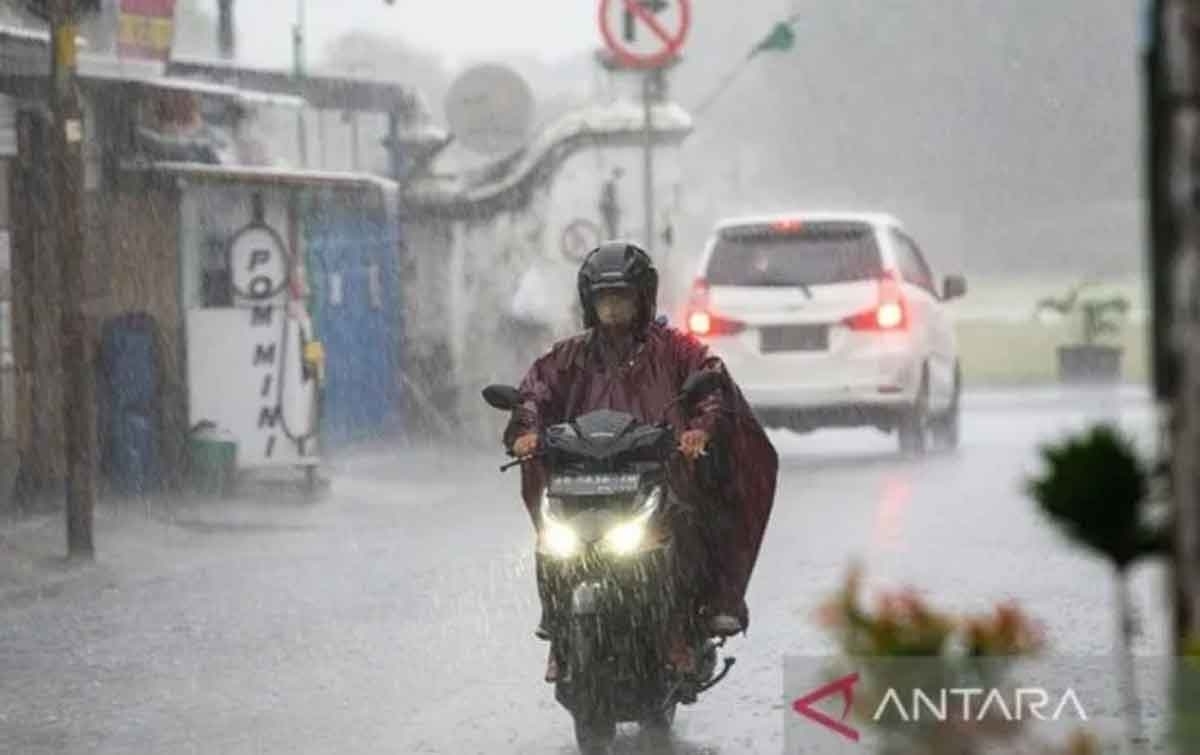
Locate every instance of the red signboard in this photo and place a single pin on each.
(147, 28)
(651, 32)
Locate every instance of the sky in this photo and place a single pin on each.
(463, 31)
(1005, 131)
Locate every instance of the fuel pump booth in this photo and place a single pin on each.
(249, 242)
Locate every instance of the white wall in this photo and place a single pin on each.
(495, 336)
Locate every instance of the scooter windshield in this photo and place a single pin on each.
(604, 435)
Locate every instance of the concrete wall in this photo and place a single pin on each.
(511, 291)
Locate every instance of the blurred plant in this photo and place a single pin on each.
(1098, 314)
(905, 646)
(1096, 489)
(1079, 743)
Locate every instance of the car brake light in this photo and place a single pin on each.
(702, 323)
(786, 226)
(890, 314)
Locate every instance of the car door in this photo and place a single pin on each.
(934, 337)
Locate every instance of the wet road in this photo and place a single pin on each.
(396, 616)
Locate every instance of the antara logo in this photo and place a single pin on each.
(951, 704)
(957, 705)
(844, 686)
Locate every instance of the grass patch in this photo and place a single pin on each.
(999, 352)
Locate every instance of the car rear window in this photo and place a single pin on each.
(810, 254)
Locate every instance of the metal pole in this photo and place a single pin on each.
(226, 41)
(78, 409)
(298, 72)
(648, 159)
(355, 145)
(395, 155)
(707, 102)
(322, 163)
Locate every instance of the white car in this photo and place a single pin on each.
(832, 320)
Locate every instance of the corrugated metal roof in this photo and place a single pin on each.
(322, 91)
(274, 176)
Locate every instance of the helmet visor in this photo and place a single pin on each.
(616, 307)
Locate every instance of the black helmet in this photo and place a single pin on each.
(618, 264)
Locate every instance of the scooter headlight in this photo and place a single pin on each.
(627, 538)
(558, 538)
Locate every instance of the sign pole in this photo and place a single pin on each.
(226, 42)
(78, 407)
(646, 14)
(648, 158)
(298, 72)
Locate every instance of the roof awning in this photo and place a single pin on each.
(285, 177)
(154, 76)
(322, 91)
(25, 64)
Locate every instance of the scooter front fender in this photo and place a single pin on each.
(585, 599)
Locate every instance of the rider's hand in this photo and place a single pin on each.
(692, 443)
(525, 445)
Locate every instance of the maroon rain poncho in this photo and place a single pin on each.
(571, 379)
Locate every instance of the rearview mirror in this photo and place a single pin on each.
(502, 397)
(954, 287)
(700, 383)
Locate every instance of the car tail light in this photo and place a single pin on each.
(701, 320)
(891, 313)
(702, 323)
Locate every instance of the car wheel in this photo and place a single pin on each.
(946, 427)
(912, 430)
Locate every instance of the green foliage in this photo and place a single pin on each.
(1099, 315)
(1094, 487)
(1096, 320)
(1063, 305)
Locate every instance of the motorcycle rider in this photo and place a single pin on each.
(628, 361)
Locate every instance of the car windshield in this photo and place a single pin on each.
(812, 255)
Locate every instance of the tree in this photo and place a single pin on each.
(1096, 489)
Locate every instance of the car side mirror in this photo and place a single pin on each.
(954, 287)
(700, 383)
(502, 397)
